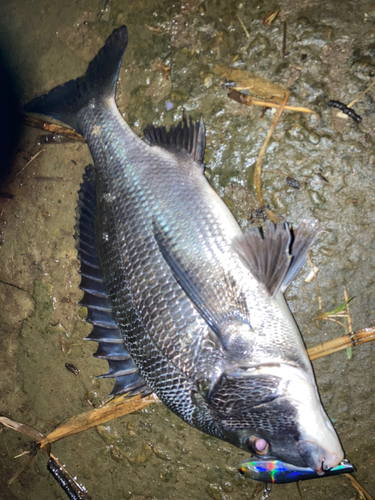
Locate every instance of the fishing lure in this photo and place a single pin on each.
(277, 472)
(73, 490)
(344, 109)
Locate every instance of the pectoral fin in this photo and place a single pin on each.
(216, 297)
(186, 280)
(276, 257)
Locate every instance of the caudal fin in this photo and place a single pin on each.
(64, 102)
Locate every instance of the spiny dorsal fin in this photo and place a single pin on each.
(190, 137)
(276, 258)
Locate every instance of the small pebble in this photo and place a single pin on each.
(292, 182)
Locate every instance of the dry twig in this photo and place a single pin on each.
(348, 340)
(248, 100)
(51, 127)
(258, 165)
(30, 161)
(362, 492)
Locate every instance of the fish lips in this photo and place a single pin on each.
(318, 458)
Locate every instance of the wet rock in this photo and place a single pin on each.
(106, 433)
(228, 487)
(161, 453)
(116, 453)
(364, 67)
(258, 48)
(138, 455)
(215, 491)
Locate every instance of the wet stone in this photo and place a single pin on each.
(106, 434)
(215, 491)
(292, 182)
(116, 453)
(228, 487)
(161, 453)
(138, 455)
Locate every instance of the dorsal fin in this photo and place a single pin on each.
(190, 138)
(276, 257)
(105, 331)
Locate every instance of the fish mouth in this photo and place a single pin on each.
(320, 459)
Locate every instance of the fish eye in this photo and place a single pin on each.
(257, 445)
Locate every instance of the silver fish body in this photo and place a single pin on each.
(212, 338)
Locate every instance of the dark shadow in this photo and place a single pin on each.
(10, 116)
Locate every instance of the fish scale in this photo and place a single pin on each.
(171, 304)
(182, 302)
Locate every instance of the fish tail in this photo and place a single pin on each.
(66, 101)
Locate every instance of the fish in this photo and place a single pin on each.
(184, 304)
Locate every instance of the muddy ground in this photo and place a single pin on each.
(152, 454)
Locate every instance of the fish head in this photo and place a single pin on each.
(273, 411)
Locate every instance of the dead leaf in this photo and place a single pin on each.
(257, 85)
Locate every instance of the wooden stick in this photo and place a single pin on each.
(96, 417)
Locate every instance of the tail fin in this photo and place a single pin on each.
(64, 102)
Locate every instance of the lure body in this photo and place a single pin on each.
(277, 472)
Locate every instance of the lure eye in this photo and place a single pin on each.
(257, 445)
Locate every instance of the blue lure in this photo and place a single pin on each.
(277, 472)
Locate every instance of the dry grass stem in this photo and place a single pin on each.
(363, 93)
(333, 320)
(51, 127)
(258, 165)
(248, 100)
(152, 28)
(30, 161)
(348, 340)
(348, 317)
(360, 489)
(22, 428)
(22, 469)
(270, 17)
(243, 26)
(316, 282)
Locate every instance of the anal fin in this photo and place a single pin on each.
(105, 332)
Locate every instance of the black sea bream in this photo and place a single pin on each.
(182, 302)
